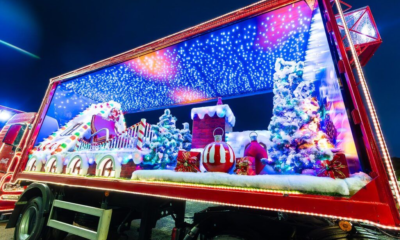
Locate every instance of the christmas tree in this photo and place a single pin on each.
(165, 144)
(297, 140)
(187, 137)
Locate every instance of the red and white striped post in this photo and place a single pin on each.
(142, 126)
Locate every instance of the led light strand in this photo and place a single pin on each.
(371, 107)
(293, 192)
(7, 210)
(233, 205)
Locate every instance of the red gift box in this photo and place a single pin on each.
(188, 161)
(245, 166)
(336, 168)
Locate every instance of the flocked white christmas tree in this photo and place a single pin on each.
(165, 144)
(187, 137)
(297, 140)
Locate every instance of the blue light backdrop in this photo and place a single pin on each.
(235, 60)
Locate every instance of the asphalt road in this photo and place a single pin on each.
(161, 232)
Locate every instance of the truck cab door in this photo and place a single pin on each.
(9, 146)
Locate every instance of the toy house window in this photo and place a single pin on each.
(76, 166)
(14, 135)
(33, 166)
(69, 131)
(108, 168)
(53, 166)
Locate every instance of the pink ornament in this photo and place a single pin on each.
(219, 101)
(254, 149)
(218, 156)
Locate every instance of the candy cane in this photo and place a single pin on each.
(142, 126)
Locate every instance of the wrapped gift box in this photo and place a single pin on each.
(245, 166)
(336, 168)
(188, 161)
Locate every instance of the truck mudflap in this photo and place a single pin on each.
(33, 190)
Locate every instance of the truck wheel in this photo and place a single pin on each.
(31, 221)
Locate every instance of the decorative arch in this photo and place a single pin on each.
(54, 165)
(32, 165)
(107, 166)
(77, 166)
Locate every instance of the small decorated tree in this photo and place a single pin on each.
(187, 137)
(297, 140)
(165, 144)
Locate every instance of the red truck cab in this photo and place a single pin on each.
(12, 136)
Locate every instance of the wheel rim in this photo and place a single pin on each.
(28, 223)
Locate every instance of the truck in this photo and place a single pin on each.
(6, 113)
(292, 148)
(13, 135)
(8, 193)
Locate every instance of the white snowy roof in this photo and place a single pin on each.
(221, 111)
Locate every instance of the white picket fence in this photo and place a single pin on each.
(128, 139)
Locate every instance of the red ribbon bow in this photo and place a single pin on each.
(332, 168)
(187, 163)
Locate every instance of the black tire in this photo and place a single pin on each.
(31, 221)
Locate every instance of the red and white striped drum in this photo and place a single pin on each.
(218, 156)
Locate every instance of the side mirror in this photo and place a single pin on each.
(12, 134)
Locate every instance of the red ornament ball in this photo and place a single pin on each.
(218, 156)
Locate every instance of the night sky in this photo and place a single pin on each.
(66, 35)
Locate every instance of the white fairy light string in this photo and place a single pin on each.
(371, 107)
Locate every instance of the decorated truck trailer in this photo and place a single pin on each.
(263, 111)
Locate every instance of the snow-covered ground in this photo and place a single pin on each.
(302, 183)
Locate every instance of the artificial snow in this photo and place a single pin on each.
(357, 181)
(221, 111)
(302, 183)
